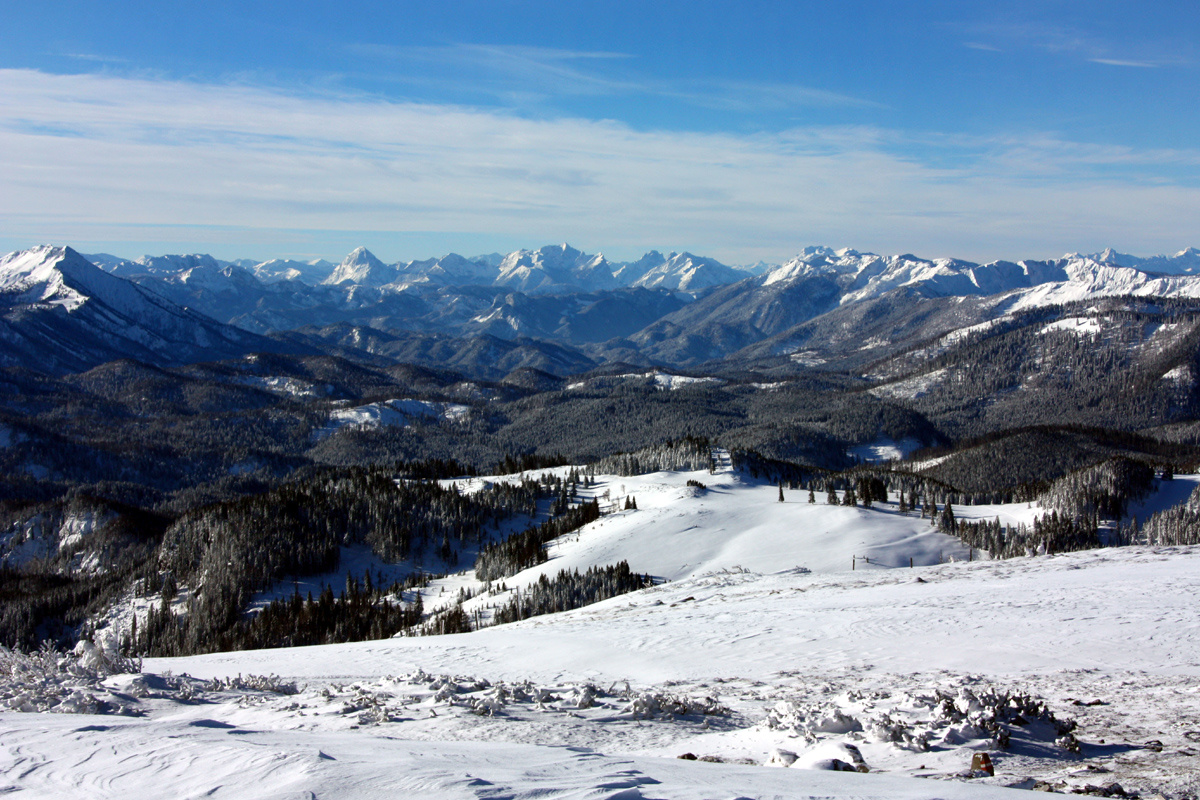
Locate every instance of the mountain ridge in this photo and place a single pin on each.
(675, 310)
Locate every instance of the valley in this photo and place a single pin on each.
(540, 524)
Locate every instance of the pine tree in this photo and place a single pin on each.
(946, 522)
(781, 492)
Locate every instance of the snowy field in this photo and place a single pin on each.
(389, 413)
(763, 655)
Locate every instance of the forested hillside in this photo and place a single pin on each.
(198, 491)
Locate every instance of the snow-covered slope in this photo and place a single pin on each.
(554, 268)
(680, 531)
(766, 671)
(863, 276)
(62, 313)
(449, 270)
(277, 269)
(1086, 279)
(679, 271)
(389, 413)
(1184, 262)
(361, 267)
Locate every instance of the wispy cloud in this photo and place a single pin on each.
(93, 57)
(513, 74)
(1067, 40)
(88, 151)
(745, 96)
(500, 69)
(981, 46)
(1118, 62)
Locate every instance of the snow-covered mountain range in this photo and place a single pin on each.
(62, 313)
(675, 309)
(564, 269)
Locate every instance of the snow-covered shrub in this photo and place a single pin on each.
(644, 705)
(780, 758)
(46, 680)
(836, 721)
(897, 732)
(789, 715)
(485, 706)
(254, 683)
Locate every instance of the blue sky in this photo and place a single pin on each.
(739, 130)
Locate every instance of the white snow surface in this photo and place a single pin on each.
(1080, 326)
(765, 652)
(863, 276)
(286, 385)
(885, 449)
(665, 380)
(389, 413)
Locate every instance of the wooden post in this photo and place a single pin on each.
(910, 562)
(853, 563)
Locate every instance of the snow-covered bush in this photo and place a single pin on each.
(46, 680)
(645, 705)
(253, 683)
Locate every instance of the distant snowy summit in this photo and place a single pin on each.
(62, 312)
(562, 269)
(1185, 262)
(862, 276)
(59, 312)
(553, 269)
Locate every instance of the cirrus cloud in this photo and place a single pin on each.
(82, 152)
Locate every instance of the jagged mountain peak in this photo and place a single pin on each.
(1183, 262)
(553, 268)
(50, 274)
(361, 256)
(62, 313)
(686, 272)
(361, 267)
(176, 263)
